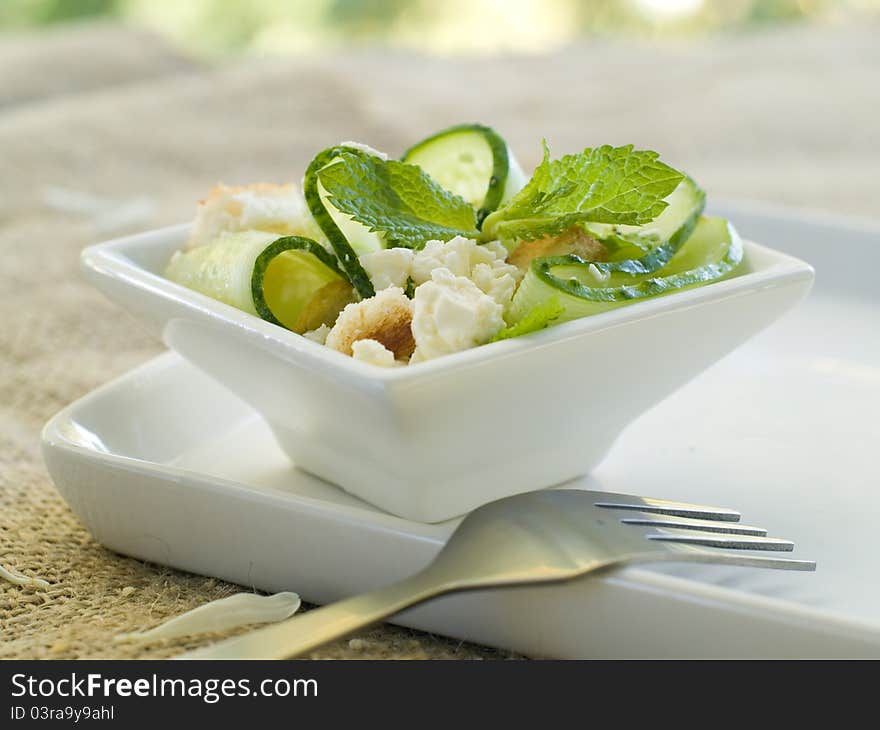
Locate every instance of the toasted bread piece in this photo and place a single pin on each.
(266, 207)
(385, 318)
(573, 240)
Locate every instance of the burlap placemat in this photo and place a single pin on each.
(133, 135)
(76, 58)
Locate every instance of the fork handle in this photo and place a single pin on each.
(303, 633)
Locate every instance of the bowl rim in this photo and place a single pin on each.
(111, 259)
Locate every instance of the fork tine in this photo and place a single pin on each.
(731, 542)
(745, 558)
(665, 507)
(685, 523)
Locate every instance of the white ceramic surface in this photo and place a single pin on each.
(432, 441)
(206, 489)
(783, 429)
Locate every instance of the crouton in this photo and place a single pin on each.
(266, 207)
(574, 240)
(385, 318)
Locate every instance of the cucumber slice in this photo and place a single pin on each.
(297, 284)
(222, 269)
(659, 240)
(632, 249)
(712, 252)
(346, 236)
(474, 162)
(290, 281)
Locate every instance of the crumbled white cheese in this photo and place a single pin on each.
(484, 264)
(451, 314)
(497, 248)
(388, 267)
(500, 284)
(373, 352)
(319, 335)
(459, 255)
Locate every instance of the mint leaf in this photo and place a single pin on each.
(617, 185)
(540, 316)
(397, 199)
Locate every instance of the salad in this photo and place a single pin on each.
(394, 262)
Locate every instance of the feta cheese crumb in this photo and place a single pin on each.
(497, 248)
(495, 282)
(319, 335)
(373, 352)
(388, 267)
(450, 314)
(484, 264)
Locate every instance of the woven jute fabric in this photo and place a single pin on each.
(104, 131)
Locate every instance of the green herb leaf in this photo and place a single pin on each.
(540, 316)
(397, 199)
(617, 185)
(348, 259)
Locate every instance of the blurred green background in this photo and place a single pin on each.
(217, 28)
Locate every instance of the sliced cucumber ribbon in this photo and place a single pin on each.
(332, 222)
(622, 248)
(661, 238)
(297, 283)
(713, 251)
(472, 161)
(291, 281)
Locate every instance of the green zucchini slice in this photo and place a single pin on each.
(290, 281)
(713, 251)
(474, 162)
(297, 284)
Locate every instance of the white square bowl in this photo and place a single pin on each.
(432, 441)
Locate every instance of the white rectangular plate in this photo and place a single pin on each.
(165, 465)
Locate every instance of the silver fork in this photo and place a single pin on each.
(539, 537)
